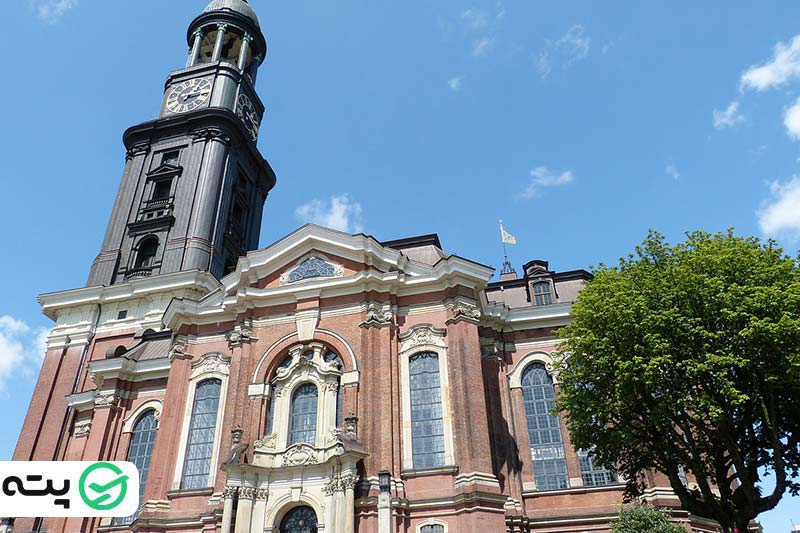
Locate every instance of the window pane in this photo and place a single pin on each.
(202, 428)
(427, 426)
(593, 474)
(139, 452)
(304, 415)
(542, 293)
(432, 529)
(544, 431)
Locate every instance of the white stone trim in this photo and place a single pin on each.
(350, 352)
(515, 376)
(210, 365)
(130, 420)
(325, 376)
(424, 338)
(433, 522)
(281, 506)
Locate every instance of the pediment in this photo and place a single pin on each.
(165, 170)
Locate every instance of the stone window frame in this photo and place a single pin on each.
(286, 380)
(419, 339)
(133, 416)
(214, 365)
(432, 522)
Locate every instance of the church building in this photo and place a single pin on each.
(329, 382)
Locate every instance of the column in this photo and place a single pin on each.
(385, 502)
(204, 212)
(194, 53)
(260, 510)
(349, 484)
(244, 513)
(246, 40)
(228, 493)
(221, 30)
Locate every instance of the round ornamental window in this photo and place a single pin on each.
(300, 520)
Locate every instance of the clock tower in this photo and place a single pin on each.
(195, 184)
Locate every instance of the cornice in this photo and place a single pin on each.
(127, 370)
(54, 302)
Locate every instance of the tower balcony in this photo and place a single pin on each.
(156, 208)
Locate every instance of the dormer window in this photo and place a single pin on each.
(542, 292)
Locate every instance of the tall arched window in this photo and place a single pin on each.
(542, 294)
(139, 452)
(303, 415)
(544, 430)
(427, 426)
(300, 520)
(593, 474)
(202, 430)
(146, 253)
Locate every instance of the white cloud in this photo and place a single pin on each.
(728, 117)
(22, 349)
(672, 171)
(784, 65)
(481, 28)
(791, 119)
(570, 48)
(781, 215)
(455, 83)
(482, 46)
(340, 213)
(51, 11)
(542, 177)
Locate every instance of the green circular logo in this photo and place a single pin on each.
(103, 492)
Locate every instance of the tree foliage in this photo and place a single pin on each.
(688, 356)
(645, 519)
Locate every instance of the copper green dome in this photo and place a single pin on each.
(237, 6)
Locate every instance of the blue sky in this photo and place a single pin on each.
(581, 124)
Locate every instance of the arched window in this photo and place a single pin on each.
(300, 520)
(544, 430)
(593, 474)
(427, 425)
(433, 528)
(139, 452)
(542, 294)
(303, 415)
(146, 254)
(202, 430)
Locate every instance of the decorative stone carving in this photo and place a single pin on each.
(376, 316)
(82, 428)
(242, 334)
(311, 267)
(422, 335)
(463, 310)
(331, 487)
(229, 492)
(137, 150)
(247, 493)
(211, 363)
(266, 442)
(180, 344)
(106, 399)
(278, 391)
(348, 481)
(331, 386)
(351, 426)
(262, 494)
(237, 447)
(211, 134)
(300, 454)
(334, 436)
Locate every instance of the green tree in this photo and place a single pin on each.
(644, 519)
(687, 357)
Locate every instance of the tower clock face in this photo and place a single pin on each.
(189, 95)
(248, 115)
